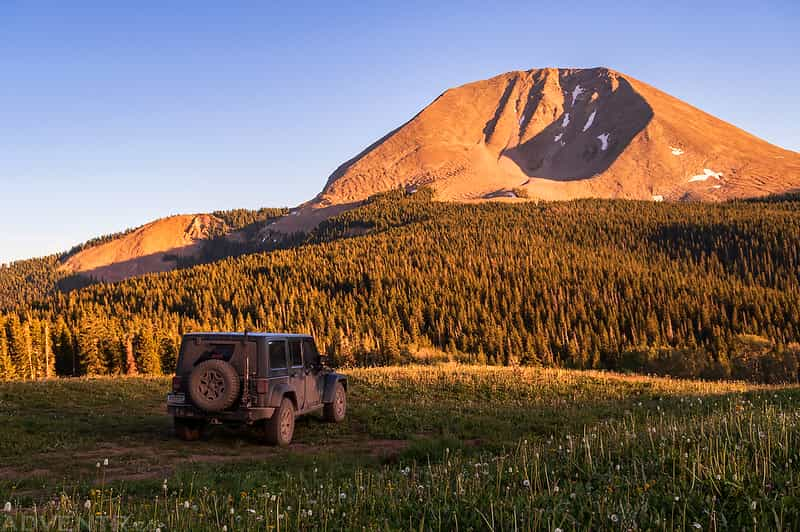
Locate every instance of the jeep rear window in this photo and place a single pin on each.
(216, 350)
(277, 355)
(194, 351)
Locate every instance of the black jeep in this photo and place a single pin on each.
(258, 379)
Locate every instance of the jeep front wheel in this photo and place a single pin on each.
(279, 429)
(336, 410)
(188, 429)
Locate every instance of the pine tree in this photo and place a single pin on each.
(64, 350)
(6, 367)
(130, 360)
(48, 358)
(90, 358)
(147, 355)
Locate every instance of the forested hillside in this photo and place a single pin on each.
(707, 290)
(25, 282)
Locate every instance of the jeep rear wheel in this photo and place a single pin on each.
(279, 429)
(188, 429)
(214, 385)
(335, 411)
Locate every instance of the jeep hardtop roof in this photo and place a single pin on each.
(267, 335)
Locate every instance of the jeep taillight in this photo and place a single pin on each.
(176, 384)
(261, 385)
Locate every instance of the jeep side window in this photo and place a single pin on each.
(295, 353)
(277, 355)
(310, 353)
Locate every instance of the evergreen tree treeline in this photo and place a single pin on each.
(709, 290)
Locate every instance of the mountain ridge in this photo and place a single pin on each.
(563, 134)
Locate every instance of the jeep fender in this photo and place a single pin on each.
(330, 386)
(277, 393)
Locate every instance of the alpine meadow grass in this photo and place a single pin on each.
(473, 448)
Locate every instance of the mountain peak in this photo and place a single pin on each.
(563, 133)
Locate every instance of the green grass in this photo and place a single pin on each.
(445, 447)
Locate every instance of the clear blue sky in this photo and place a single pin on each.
(113, 115)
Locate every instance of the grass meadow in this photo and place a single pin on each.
(447, 447)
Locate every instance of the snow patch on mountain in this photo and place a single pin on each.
(590, 120)
(707, 172)
(577, 91)
(603, 141)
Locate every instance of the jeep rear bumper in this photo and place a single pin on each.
(240, 415)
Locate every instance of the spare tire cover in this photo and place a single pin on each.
(214, 385)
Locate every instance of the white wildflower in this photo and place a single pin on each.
(7, 507)
(87, 504)
(614, 518)
(342, 496)
(97, 465)
(186, 504)
(698, 526)
(753, 505)
(526, 483)
(232, 511)
(105, 462)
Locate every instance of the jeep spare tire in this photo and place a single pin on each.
(214, 385)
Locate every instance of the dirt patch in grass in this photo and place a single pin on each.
(147, 462)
